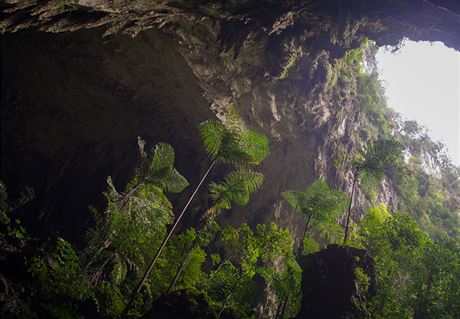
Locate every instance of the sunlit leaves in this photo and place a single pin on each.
(249, 253)
(415, 275)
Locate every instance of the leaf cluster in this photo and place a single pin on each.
(378, 157)
(233, 145)
(323, 204)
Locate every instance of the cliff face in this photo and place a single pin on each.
(74, 101)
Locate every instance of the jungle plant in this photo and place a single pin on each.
(321, 206)
(236, 188)
(135, 220)
(41, 277)
(249, 253)
(226, 145)
(416, 276)
(372, 163)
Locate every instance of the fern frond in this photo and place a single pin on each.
(294, 199)
(255, 145)
(380, 155)
(232, 146)
(231, 151)
(236, 187)
(212, 133)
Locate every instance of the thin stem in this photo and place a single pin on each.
(228, 295)
(182, 265)
(355, 178)
(278, 309)
(284, 307)
(165, 241)
(299, 252)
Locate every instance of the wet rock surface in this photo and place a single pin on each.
(337, 283)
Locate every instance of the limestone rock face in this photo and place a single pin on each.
(336, 283)
(76, 92)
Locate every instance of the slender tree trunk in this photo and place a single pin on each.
(182, 265)
(283, 310)
(165, 241)
(228, 296)
(278, 309)
(299, 252)
(355, 178)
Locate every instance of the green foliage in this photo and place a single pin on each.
(157, 168)
(41, 279)
(236, 187)
(362, 284)
(233, 146)
(380, 156)
(169, 262)
(416, 277)
(134, 221)
(122, 237)
(434, 206)
(131, 228)
(310, 246)
(371, 100)
(59, 278)
(12, 235)
(323, 204)
(250, 253)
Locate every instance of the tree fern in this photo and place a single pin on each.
(255, 145)
(212, 134)
(371, 163)
(233, 146)
(320, 204)
(223, 145)
(236, 187)
(379, 155)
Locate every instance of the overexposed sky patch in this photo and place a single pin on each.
(422, 82)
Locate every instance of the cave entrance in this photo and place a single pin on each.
(422, 82)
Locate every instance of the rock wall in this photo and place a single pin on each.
(76, 93)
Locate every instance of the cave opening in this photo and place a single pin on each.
(422, 83)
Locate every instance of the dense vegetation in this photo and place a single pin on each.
(135, 257)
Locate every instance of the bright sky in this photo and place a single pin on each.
(422, 82)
